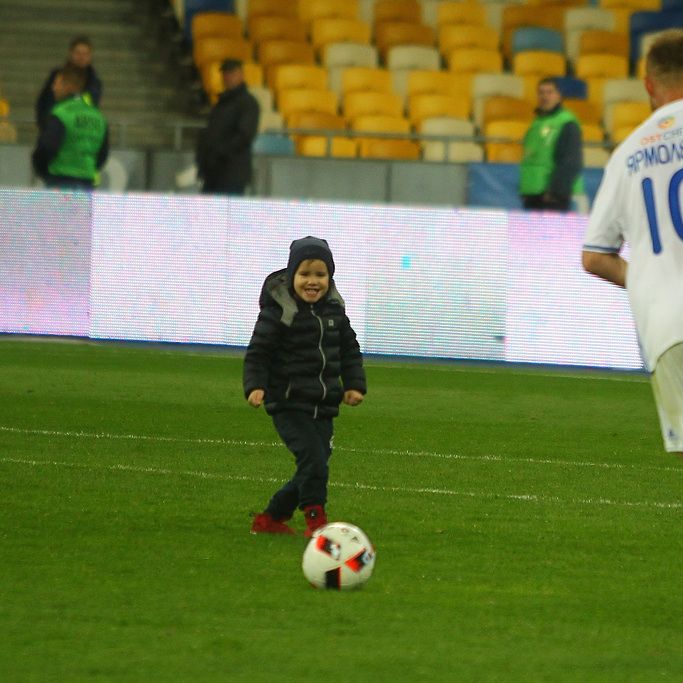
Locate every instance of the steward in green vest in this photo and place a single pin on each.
(73, 144)
(550, 171)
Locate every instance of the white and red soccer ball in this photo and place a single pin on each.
(339, 556)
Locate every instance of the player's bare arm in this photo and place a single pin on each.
(610, 267)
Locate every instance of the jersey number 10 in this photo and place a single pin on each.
(674, 208)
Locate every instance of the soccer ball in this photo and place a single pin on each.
(339, 556)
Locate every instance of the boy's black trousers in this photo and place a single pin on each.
(310, 440)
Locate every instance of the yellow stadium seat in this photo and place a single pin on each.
(592, 132)
(639, 5)
(8, 132)
(271, 8)
(539, 63)
(475, 60)
(216, 25)
(603, 42)
(319, 146)
(4, 107)
(205, 50)
(375, 123)
(439, 82)
(336, 30)
(366, 103)
(389, 149)
(454, 36)
(595, 157)
(273, 53)
(305, 76)
(316, 120)
(509, 148)
(595, 69)
(584, 110)
(263, 28)
(389, 34)
(301, 99)
(310, 10)
(503, 107)
(627, 116)
(397, 10)
(461, 13)
(365, 78)
(518, 16)
(427, 106)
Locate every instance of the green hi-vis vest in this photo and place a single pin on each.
(539, 150)
(85, 130)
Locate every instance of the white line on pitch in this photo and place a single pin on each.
(525, 497)
(350, 449)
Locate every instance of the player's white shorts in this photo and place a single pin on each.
(667, 385)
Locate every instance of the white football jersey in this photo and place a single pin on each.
(640, 202)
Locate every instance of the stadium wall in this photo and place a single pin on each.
(418, 281)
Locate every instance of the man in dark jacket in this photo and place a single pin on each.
(550, 171)
(80, 55)
(224, 146)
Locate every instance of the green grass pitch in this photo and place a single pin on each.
(528, 525)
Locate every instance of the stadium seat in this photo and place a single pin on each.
(262, 28)
(389, 149)
(475, 60)
(359, 103)
(508, 149)
(572, 87)
(413, 57)
(592, 132)
(390, 34)
(454, 36)
(216, 25)
(308, 76)
(397, 10)
(4, 107)
(625, 116)
(320, 146)
(468, 13)
(428, 106)
(192, 7)
(303, 99)
(273, 53)
(273, 144)
(580, 19)
(310, 10)
(584, 110)
(316, 120)
(439, 82)
(486, 85)
(374, 123)
(271, 8)
(595, 157)
(207, 50)
(505, 108)
(517, 16)
(539, 63)
(596, 41)
(327, 31)
(595, 69)
(364, 79)
(336, 55)
(537, 38)
(456, 151)
(270, 121)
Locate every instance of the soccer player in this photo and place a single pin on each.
(639, 201)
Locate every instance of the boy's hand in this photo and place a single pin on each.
(353, 397)
(256, 398)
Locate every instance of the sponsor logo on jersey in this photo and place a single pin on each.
(666, 122)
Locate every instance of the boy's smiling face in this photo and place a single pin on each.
(311, 280)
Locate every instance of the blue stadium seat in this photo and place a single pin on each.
(672, 4)
(570, 86)
(648, 22)
(273, 144)
(537, 38)
(194, 6)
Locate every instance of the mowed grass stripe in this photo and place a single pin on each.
(348, 449)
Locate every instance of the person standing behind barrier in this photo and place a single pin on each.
(639, 202)
(80, 55)
(223, 152)
(74, 142)
(550, 171)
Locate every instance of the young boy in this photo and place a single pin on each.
(302, 346)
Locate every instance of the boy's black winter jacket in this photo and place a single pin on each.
(304, 356)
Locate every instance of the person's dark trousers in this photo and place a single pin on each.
(540, 203)
(309, 440)
(234, 189)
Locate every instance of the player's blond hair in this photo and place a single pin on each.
(664, 61)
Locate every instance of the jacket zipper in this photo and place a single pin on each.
(322, 355)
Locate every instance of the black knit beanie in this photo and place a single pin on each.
(308, 248)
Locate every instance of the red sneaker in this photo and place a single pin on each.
(315, 518)
(265, 524)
